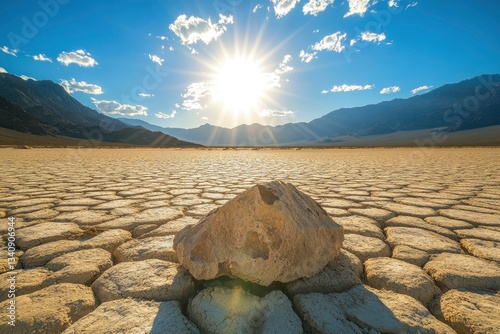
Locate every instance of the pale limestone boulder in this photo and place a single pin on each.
(149, 279)
(271, 232)
(424, 240)
(484, 249)
(455, 271)
(401, 277)
(365, 247)
(410, 255)
(35, 235)
(223, 310)
(147, 248)
(339, 275)
(50, 310)
(81, 267)
(134, 316)
(469, 311)
(365, 310)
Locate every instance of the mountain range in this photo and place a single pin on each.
(452, 108)
(44, 108)
(467, 112)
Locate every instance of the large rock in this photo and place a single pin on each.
(401, 277)
(339, 275)
(147, 248)
(149, 279)
(134, 316)
(223, 310)
(455, 271)
(365, 310)
(271, 232)
(469, 312)
(50, 310)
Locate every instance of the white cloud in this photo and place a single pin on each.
(3, 70)
(283, 67)
(193, 29)
(358, 7)
(81, 86)
(12, 52)
(256, 8)
(331, 42)
(275, 113)
(42, 57)
(171, 48)
(372, 37)
(413, 4)
(156, 59)
(389, 90)
(204, 118)
(349, 88)
(79, 57)
(420, 89)
(283, 7)
(163, 38)
(116, 108)
(165, 116)
(145, 95)
(352, 42)
(393, 3)
(316, 31)
(26, 78)
(307, 57)
(313, 7)
(194, 94)
(324, 91)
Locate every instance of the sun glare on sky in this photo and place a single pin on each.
(239, 85)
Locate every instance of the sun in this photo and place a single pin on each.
(239, 85)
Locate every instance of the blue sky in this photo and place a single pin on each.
(227, 62)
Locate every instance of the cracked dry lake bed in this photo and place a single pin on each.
(95, 226)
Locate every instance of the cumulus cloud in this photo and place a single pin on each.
(283, 67)
(313, 7)
(12, 52)
(358, 7)
(372, 37)
(283, 7)
(420, 89)
(389, 90)
(256, 8)
(165, 116)
(194, 29)
(306, 56)
(195, 92)
(26, 78)
(393, 3)
(275, 113)
(3, 70)
(156, 59)
(333, 42)
(349, 88)
(81, 86)
(116, 108)
(79, 57)
(42, 57)
(145, 95)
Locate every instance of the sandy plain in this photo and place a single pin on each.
(411, 204)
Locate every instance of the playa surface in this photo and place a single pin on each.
(410, 204)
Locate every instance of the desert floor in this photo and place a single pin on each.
(410, 204)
